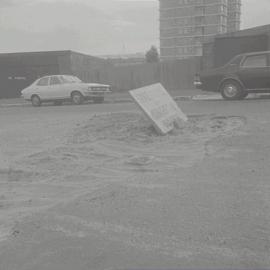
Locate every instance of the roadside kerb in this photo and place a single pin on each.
(183, 98)
(126, 100)
(14, 105)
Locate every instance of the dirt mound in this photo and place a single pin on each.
(108, 148)
(134, 127)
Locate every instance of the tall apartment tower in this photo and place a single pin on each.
(186, 24)
(234, 15)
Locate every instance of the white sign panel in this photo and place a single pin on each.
(159, 107)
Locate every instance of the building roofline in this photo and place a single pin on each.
(254, 53)
(36, 52)
(54, 53)
(262, 28)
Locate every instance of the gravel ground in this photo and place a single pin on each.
(103, 191)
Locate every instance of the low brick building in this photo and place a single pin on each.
(18, 70)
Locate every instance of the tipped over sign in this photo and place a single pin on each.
(159, 107)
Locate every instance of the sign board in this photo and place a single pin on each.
(159, 107)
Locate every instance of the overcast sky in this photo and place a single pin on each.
(93, 26)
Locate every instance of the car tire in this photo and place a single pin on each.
(77, 98)
(36, 102)
(232, 90)
(98, 99)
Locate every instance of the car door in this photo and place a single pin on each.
(254, 72)
(66, 88)
(55, 88)
(41, 88)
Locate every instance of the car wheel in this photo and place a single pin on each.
(232, 90)
(36, 102)
(98, 99)
(77, 98)
(57, 103)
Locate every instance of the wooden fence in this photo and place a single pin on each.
(174, 75)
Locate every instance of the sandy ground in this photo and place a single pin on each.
(105, 192)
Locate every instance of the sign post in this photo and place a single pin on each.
(159, 107)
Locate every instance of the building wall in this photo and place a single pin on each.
(228, 47)
(19, 70)
(219, 50)
(186, 24)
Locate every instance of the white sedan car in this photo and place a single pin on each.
(59, 88)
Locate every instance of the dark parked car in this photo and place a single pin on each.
(244, 74)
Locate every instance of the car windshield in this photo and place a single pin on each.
(70, 79)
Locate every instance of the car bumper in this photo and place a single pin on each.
(198, 85)
(96, 93)
(25, 97)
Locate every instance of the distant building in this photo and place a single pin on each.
(186, 24)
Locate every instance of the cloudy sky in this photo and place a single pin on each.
(97, 27)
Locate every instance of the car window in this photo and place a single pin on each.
(255, 61)
(70, 79)
(236, 60)
(43, 81)
(55, 80)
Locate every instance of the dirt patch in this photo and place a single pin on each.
(134, 128)
(118, 145)
(107, 179)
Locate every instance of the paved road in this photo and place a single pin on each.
(211, 210)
